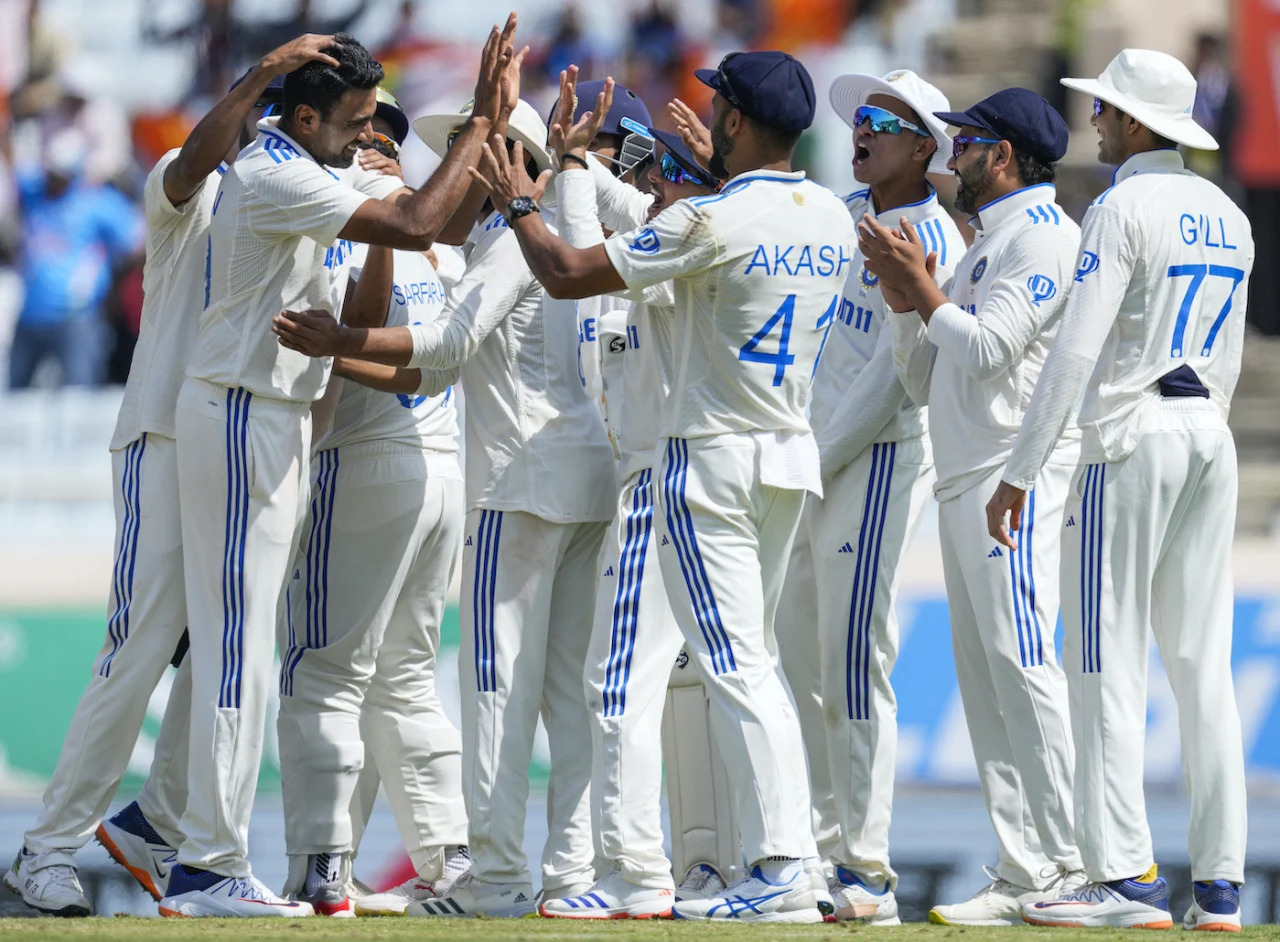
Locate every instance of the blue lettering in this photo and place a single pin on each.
(843, 261)
(1222, 232)
(780, 261)
(845, 315)
(1188, 233)
(826, 263)
(398, 293)
(806, 260)
(1204, 227)
(589, 327)
(762, 263)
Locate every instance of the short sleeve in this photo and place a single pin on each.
(155, 201)
(678, 242)
(302, 198)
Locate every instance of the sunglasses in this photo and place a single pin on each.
(389, 143)
(885, 122)
(1098, 105)
(726, 87)
(453, 136)
(961, 141)
(672, 172)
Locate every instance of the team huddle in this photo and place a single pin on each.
(705, 403)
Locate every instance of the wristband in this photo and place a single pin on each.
(576, 159)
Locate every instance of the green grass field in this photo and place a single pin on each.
(464, 930)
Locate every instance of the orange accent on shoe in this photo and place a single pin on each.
(1158, 924)
(173, 913)
(143, 878)
(331, 909)
(1217, 927)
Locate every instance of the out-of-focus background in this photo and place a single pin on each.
(92, 92)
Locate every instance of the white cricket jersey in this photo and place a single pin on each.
(172, 299)
(991, 340)
(857, 397)
(1162, 282)
(363, 414)
(535, 442)
(273, 246)
(757, 271)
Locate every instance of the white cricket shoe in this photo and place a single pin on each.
(135, 845)
(54, 889)
(1215, 907)
(205, 893)
(821, 892)
(702, 881)
(396, 900)
(755, 899)
(855, 900)
(1139, 903)
(471, 897)
(999, 903)
(613, 897)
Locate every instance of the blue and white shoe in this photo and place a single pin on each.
(855, 900)
(702, 881)
(1138, 903)
(1215, 907)
(613, 897)
(756, 899)
(205, 893)
(135, 845)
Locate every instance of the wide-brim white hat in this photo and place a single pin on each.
(850, 92)
(525, 126)
(1154, 89)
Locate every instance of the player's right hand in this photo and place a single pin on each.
(574, 138)
(692, 131)
(494, 61)
(293, 55)
(315, 333)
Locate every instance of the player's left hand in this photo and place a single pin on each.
(375, 162)
(504, 178)
(1007, 500)
(897, 257)
(315, 333)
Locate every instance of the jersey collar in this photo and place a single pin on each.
(270, 127)
(1165, 160)
(915, 212)
(778, 176)
(1013, 204)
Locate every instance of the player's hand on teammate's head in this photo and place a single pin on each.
(315, 333)
(504, 178)
(293, 55)
(695, 134)
(494, 80)
(376, 162)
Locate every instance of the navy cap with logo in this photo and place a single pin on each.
(627, 115)
(681, 154)
(274, 90)
(772, 87)
(1021, 117)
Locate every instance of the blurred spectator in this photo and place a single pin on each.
(568, 47)
(1068, 37)
(76, 235)
(212, 33)
(655, 37)
(1215, 106)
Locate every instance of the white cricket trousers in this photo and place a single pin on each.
(528, 591)
(148, 615)
(726, 538)
(634, 642)
(242, 474)
(858, 534)
(365, 601)
(1148, 549)
(1004, 607)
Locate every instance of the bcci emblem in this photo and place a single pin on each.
(867, 278)
(979, 270)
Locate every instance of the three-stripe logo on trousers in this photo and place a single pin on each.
(127, 552)
(319, 543)
(680, 523)
(482, 593)
(1091, 522)
(875, 511)
(237, 528)
(626, 600)
(1023, 581)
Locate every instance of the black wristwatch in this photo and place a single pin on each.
(520, 206)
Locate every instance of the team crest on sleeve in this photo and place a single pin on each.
(1042, 288)
(1088, 265)
(868, 279)
(646, 242)
(979, 270)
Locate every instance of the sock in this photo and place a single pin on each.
(779, 870)
(322, 869)
(457, 861)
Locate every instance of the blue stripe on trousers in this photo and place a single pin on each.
(482, 598)
(1022, 587)
(234, 547)
(316, 563)
(127, 554)
(1091, 568)
(866, 571)
(626, 602)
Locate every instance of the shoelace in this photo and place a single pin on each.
(698, 879)
(63, 875)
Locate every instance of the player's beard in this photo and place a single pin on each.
(973, 182)
(721, 147)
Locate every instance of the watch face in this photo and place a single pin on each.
(520, 206)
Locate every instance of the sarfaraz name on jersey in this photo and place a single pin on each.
(776, 260)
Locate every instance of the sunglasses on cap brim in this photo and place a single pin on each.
(673, 172)
(726, 87)
(384, 145)
(885, 122)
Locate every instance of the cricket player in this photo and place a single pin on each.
(754, 267)
(877, 475)
(148, 611)
(541, 483)
(280, 238)
(1151, 339)
(972, 351)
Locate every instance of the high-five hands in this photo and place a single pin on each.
(498, 84)
(567, 136)
(505, 178)
(692, 131)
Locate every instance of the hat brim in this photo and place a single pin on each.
(434, 130)
(1180, 128)
(850, 92)
(708, 77)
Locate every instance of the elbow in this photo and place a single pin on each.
(558, 288)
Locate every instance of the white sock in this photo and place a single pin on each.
(779, 870)
(322, 869)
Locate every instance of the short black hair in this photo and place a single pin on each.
(321, 86)
(1163, 143)
(775, 138)
(1032, 170)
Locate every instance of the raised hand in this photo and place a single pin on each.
(511, 84)
(562, 117)
(296, 53)
(692, 131)
(579, 135)
(505, 178)
(494, 62)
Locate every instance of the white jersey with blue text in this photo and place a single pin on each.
(750, 314)
(172, 299)
(991, 339)
(273, 246)
(363, 414)
(1162, 282)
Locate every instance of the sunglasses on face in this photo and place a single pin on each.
(1098, 106)
(885, 122)
(453, 136)
(674, 173)
(390, 144)
(726, 87)
(961, 141)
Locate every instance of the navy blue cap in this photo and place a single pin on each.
(274, 90)
(1021, 117)
(772, 87)
(627, 115)
(681, 154)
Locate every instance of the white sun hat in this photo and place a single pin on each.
(1154, 89)
(525, 126)
(849, 92)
